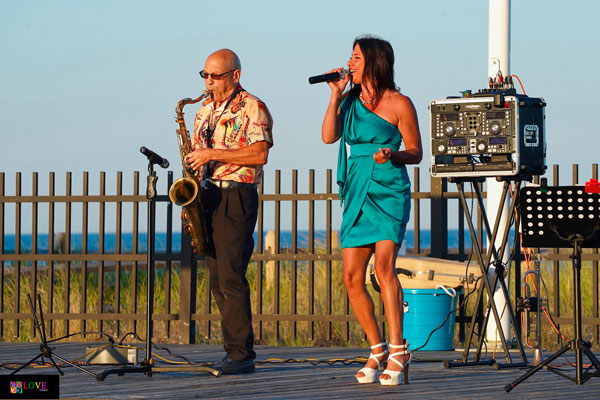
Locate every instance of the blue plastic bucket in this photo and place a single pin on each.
(427, 309)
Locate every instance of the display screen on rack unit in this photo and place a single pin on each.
(449, 117)
(495, 115)
(498, 140)
(458, 142)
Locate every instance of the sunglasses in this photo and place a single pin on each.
(216, 77)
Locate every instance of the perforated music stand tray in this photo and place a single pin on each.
(553, 216)
(563, 216)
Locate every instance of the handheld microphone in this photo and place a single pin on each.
(154, 158)
(328, 77)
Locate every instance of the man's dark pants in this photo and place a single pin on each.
(232, 214)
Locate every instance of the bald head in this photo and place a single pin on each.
(222, 74)
(226, 58)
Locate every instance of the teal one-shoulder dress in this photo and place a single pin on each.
(375, 197)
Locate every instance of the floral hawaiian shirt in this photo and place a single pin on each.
(245, 121)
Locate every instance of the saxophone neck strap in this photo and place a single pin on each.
(212, 127)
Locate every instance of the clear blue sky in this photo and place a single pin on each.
(84, 84)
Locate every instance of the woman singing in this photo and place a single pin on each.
(373, 118)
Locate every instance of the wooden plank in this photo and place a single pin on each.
(84, 243)
(274, 379)
(85, 198)
(94, 317)
(118, 228)
(50, 306)
(101, 228)
(73, 257)
(34, 244)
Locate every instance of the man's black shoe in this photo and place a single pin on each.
(229, 366)
(220, 362)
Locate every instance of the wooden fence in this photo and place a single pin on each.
(94, 280)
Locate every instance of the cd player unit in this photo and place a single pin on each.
(488, 134)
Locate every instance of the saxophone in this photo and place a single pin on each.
(186, 192)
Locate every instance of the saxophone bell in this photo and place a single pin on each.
(183, 191)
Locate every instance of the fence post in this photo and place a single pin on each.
(270, 248)
(187, 295)
(439, 218)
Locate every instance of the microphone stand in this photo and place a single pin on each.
(147, 365)
(151, 196)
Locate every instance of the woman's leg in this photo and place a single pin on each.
(386, 252)
(355, 260)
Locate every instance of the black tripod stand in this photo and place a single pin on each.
(45, 349)
(147, 365)
(563, 216)
(490, 283)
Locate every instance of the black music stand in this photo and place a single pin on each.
(147, 365)
(563, 216)
(45, 349)
(490, 283)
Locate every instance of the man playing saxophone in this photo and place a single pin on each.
(232, 138)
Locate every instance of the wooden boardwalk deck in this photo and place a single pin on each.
(429, 378)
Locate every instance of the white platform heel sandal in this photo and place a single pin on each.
(370, 374)
(394, 376)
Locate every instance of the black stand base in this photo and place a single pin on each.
(581, 376)
(149, 370)
(45, 349)
(454, 364)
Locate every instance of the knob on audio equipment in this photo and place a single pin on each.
(481, 146)
(449, 130)
(495, 127)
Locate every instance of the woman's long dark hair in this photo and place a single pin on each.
(378, 57)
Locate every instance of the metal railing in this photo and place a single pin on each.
(95, 281)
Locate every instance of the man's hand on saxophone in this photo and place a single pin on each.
(197, 158)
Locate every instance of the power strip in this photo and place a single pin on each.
(114, 355)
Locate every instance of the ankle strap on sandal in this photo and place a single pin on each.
(379, 345)
(403, 347)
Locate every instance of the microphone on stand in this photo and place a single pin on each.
(154, 158)
(328, 77)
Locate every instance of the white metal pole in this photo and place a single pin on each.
(498, 60)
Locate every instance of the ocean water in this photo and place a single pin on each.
(110, 239)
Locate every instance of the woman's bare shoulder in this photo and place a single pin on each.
(399, 100)
(398, 97)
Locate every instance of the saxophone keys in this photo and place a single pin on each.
(195, 248)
